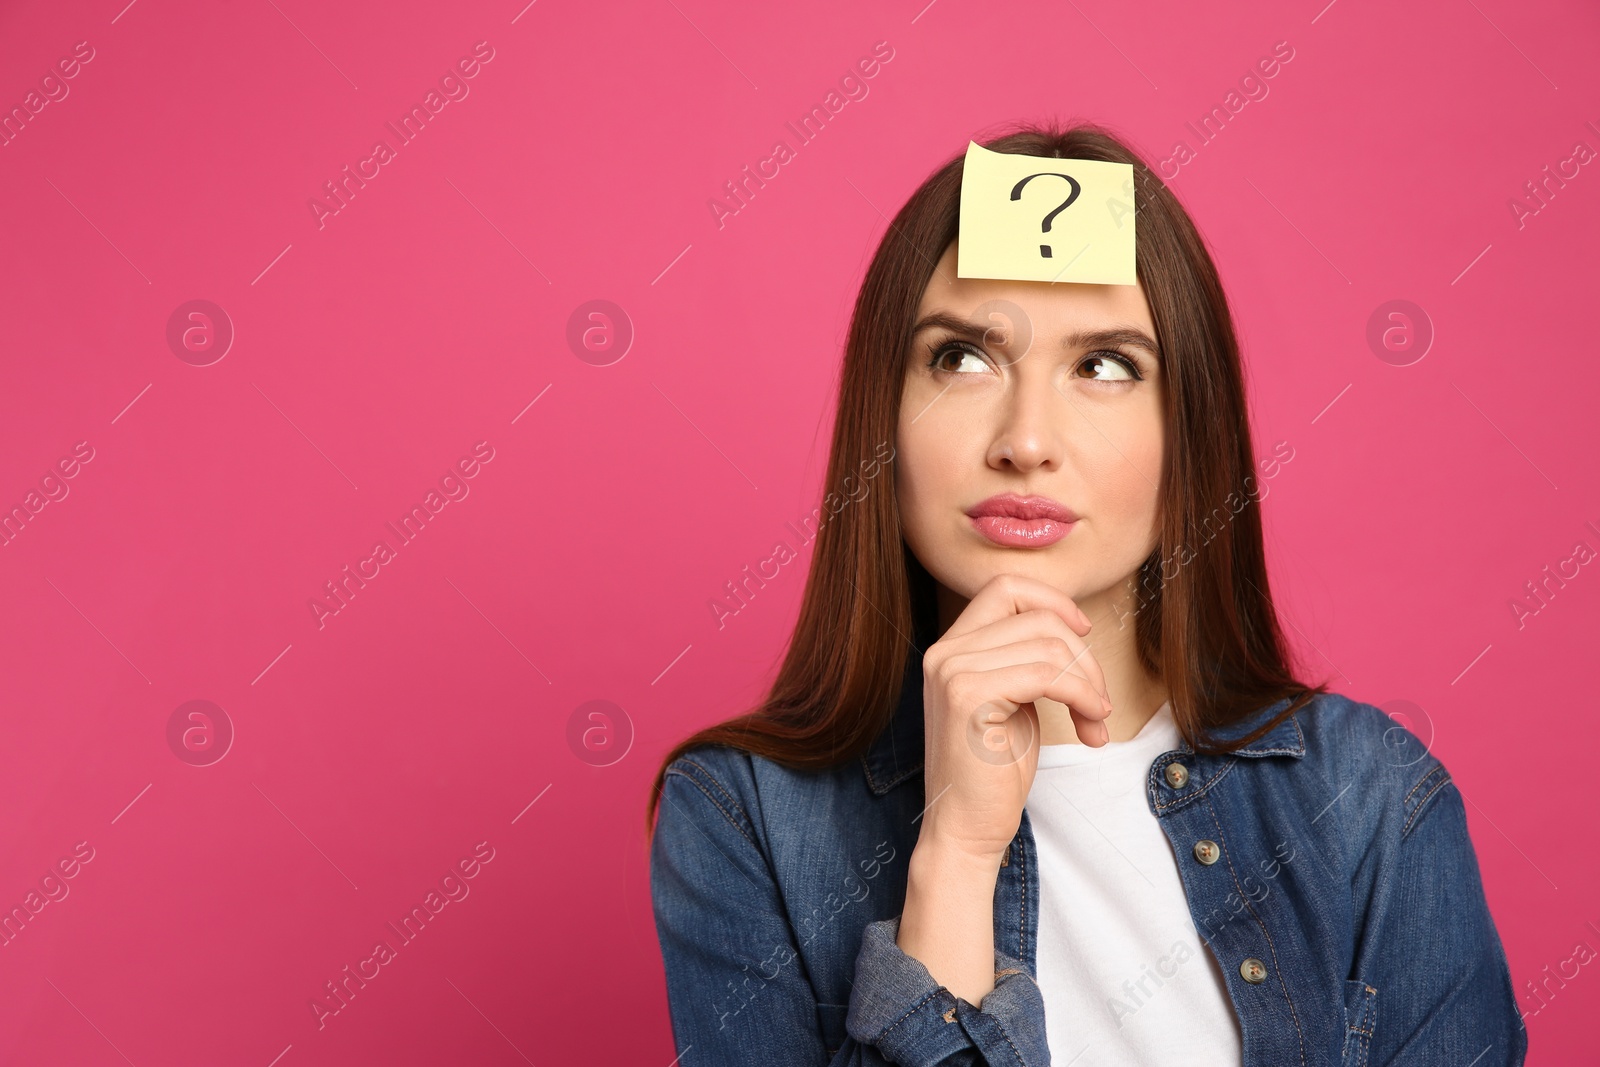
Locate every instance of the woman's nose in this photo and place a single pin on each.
(1031, 422)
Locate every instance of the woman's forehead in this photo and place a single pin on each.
(1049, 306)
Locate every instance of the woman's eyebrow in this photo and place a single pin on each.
(972, 331)
(1100, 338)
(1111, 338)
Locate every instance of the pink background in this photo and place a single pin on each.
(371, 353)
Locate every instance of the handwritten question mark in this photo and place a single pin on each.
(1044, 227)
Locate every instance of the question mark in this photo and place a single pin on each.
(1044, 227)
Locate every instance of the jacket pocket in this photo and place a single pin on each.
(1360, 1019)
(830, 1020)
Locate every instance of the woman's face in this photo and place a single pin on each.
(1072, 413)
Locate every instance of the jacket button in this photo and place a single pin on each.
(1206, 852)
(1253, 971)
(1177, 775)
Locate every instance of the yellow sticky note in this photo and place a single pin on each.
(1041, 219)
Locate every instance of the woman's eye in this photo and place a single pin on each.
(961, 352)
(1109, 367)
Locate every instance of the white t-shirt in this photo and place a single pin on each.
(1125, 976)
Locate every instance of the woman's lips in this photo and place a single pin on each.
(1014, 521)
(1021, 533)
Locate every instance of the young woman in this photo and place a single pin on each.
(1036, 782)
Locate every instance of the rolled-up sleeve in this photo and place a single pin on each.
(897, 1007)
(737, 991)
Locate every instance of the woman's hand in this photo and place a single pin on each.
(1016, 641)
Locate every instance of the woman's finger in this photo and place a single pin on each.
(1031, 625)
(1011, 594)
(994, 695)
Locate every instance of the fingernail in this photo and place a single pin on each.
(1107, 704)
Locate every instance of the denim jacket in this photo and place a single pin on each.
(1327, 868)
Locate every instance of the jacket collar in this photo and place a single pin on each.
(897, 753)
(1284, 739)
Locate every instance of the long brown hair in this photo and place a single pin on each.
(1205, 625)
